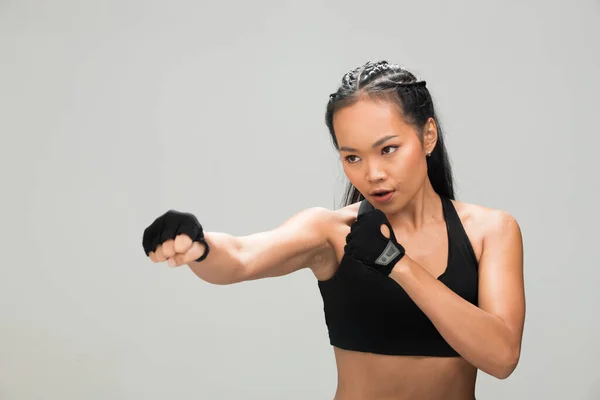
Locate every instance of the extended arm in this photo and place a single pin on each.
(293, 245)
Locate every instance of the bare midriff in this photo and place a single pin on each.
(382, 377)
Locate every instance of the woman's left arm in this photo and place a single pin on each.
(488, 336)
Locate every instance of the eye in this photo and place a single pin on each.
(349, 159)
(389, 147)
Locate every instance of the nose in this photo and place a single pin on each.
(375, 173)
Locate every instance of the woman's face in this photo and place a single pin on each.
(380, 152)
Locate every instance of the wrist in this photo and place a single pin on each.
(401, 269)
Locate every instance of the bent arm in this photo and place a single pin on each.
(488, 336)
(294, 245)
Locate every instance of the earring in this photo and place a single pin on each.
(429, 154)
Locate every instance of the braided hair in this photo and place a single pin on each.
(391, 82)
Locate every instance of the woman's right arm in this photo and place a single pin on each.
(300, 242)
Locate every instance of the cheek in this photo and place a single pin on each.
(356, 176)
(410, 157)
(415, 158)
(352, 174)
(410, 166)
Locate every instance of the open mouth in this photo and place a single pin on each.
(382, 194)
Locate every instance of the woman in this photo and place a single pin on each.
(419, 290)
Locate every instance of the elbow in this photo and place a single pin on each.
(505, 371)
(506, 364)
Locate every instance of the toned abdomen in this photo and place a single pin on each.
(381, 377)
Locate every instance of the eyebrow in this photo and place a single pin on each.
(377, 143)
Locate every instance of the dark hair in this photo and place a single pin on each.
(393, 83)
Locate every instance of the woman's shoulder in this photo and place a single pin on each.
(347, 214)
(325, 216)
(338, 222)
(484, 220)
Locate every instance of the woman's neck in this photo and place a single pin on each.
(424, 207)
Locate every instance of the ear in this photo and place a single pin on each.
(430, 135)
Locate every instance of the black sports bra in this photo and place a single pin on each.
(372, 313)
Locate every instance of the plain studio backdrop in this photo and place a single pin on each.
(113, 112)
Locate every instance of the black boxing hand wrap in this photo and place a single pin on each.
(367, 244)
(171, 224)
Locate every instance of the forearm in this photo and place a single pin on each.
(223, 265)
(479, 337)
(296, 244)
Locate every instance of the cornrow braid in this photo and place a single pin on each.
(381, 73)
(372, 70)
(394, 83)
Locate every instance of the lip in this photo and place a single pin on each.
(384, 199)
(381, 189)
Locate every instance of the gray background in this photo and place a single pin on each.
(114, 111)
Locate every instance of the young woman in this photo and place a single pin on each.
(420, 290)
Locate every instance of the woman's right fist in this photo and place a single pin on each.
(175, 237)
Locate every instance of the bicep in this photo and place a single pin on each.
(293, 245)
(501, 281)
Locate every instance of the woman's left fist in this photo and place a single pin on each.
(367, 243)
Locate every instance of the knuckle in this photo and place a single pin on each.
(159, 254)
(167, 248)
(182, 243)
